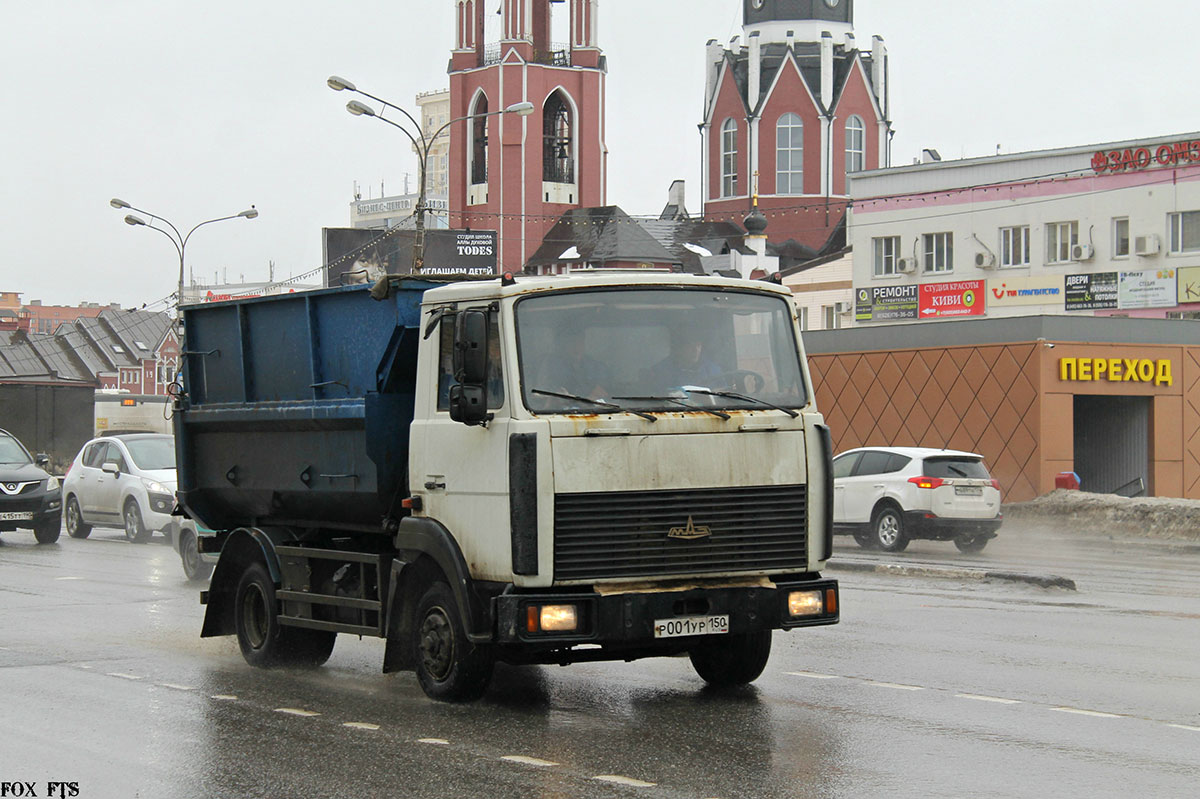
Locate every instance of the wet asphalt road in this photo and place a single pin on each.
(928, 687)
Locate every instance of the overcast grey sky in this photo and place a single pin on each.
(194, 110)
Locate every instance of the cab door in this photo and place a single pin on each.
(461, 471)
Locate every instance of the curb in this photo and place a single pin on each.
(954, 573)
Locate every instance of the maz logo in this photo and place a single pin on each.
(690, 532)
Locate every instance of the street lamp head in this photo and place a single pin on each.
(130, 219)
(522, 109)
(359, 110)
(249, 213)
(340, 84)
(118, 203)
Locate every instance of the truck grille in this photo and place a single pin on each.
(604, 536)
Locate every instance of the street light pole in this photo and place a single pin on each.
(178, 240)
(421, 144)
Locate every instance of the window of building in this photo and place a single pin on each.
(141, 346)
(729, 158)
(1120, 226)
(1183, 315)
(939, 252)
(1060, 237)
(479, 141)
(1184, 231)
(830, 317)
(117, 348)
(789, 155)
(803, 314)
(558, 161)
(887, 255)
(855, 144)
(1014, 246)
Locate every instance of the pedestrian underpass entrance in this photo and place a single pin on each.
(1112, 444)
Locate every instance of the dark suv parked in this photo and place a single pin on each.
(29, 496)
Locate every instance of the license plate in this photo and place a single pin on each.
(968, 491)
(16, 516)
(692, 625)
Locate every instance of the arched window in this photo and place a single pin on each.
(789, 155)
(479, 140)
(855, 144)
(558, 155)
(729, 157)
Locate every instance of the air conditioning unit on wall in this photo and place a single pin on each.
(907, 265)
(1146, 245)
(1082, 252)
(841, 307)
(985, 260)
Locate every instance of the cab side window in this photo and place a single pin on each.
(114, 455)
(873, 463)
(495, 373)
(92, 458)
(843, 465)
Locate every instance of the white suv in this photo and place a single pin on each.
(887, 496)
(122, 481)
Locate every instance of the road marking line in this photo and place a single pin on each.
(982, 698)
(435, 741)
(619, 780)
(528, 761)
(68, 578)
(895, 685)
(296, 711)
(1184, 727)
(124, 676)
(175, 687)
(812, 675)
(224, 697)
(360, 725)
(1095, 713)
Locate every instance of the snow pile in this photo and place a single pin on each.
(1151, 517)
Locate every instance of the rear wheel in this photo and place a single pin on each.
(263, 640)
(135, 529)
(888, 530)
(725, 661)
(48, 532)
(449, 667)
(971, 543)
(76, 528)
(193, 566)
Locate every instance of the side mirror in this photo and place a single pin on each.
(470, 347)
(42, 459)
(468, 404)
(111, 467)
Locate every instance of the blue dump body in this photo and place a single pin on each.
(297, 408)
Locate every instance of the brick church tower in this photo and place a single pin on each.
(791, 107)
(518, 175)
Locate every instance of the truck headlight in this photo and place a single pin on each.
(806, 603)
(552, 618)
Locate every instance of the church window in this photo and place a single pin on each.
(855, 144)
(558, 158)
(479, 140)
(729, 158)
(789, 155)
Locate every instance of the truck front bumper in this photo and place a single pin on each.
(629, 619)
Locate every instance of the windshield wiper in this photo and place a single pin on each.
(612, 406)
(678, 401)
(746, 397)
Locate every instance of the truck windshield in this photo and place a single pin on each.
(658, 350)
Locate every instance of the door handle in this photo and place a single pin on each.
(433, 485)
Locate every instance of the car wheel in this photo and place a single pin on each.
(970, 543)
(48, 532)
(135, 529)
(864, 540)
(888, 530)
(193, 565)
(76, 527)
(449, 667)
(265, 642)
(727, 661)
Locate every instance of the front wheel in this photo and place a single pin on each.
(76, 528)
(731, 660)
(888, 530)
(48, 532)
(193, 566)
(449, 667)
(971, 543)
(263, 640)
(135, 529)
(864, 540)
